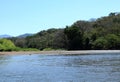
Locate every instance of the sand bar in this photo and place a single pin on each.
(59, 52)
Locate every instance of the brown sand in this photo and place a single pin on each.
(59, 52)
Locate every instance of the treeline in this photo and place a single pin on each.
(46, 39)
(102, 33)
(8, 45)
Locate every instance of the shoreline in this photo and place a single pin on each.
(77, 52)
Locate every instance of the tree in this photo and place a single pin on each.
(75, 37)
(6, 45)
(113, 41)
(102, 33)
(60, 40)
(84, 26)
(20, 42)
(100, 44)
(87, 44)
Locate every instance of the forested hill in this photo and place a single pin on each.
(102, 33)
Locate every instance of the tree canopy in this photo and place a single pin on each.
(6, 45)
(102, 33)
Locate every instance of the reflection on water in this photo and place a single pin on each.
(62, 68)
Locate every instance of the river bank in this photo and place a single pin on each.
(60, 52)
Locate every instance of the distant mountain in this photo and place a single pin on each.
(5, 36)
(24, 35)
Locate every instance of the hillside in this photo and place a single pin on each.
(102, 33)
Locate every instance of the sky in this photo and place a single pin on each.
(31, 16)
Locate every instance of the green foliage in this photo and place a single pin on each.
(51, 38)
(100, 43)
(102, 33)
(28, 49)
(6, 45)
(86, 43)
(113, 41)
(74, 36)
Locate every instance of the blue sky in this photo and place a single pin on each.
(31, 16)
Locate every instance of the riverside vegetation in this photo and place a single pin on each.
(98, 34)
(8, 45)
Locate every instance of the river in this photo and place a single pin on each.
(60, 68)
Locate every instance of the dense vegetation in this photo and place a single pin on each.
(102, 33)
(50, 39)
(8, 45)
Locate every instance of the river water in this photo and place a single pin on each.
(60, 68)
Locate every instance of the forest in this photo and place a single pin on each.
(98, 34)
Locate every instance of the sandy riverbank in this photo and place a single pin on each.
(59, 52)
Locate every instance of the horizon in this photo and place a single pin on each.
(32, 16)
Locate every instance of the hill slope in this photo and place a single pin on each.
(103, 33)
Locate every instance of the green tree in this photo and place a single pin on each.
(102, 33)
(6, 45)
(75, 38)
(100, 43)
(20, 42)
(113, 41)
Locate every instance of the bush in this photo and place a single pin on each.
(100, 43)
(113, 41)
(6, 45)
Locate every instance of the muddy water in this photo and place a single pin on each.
(62, 68)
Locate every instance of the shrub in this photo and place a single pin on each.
(100, 43)
(6, 45)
